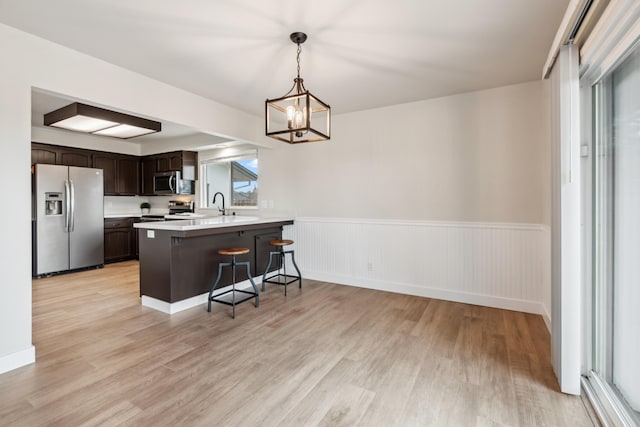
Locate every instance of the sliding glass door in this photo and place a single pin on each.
(614, 374)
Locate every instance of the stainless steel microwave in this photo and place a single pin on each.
(172, 183)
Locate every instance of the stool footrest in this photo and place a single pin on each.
(216, 298)
(281, 279)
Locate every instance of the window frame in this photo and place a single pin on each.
(225, 156)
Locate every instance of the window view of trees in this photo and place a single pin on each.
(244, 182)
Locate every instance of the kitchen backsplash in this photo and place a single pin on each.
(114, 205)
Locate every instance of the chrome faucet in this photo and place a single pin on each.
(214, 200)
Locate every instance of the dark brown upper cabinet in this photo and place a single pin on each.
(184, 161)
(128, 175)
(149, 166)
(109, 164)
(121, 173)
(43, 154)
(76, 157)
(59, 155)
(124, 175)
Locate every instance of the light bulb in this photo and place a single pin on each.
(290, 115)
(299, 121)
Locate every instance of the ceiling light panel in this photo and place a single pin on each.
(83, 124)
(124, 131)
(99, 121)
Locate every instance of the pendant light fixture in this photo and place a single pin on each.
(298, 116)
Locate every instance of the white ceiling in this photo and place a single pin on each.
(360, 54)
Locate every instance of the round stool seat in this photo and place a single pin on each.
(233, 251)
(281, 242)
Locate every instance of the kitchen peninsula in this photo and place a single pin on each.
(179, 259)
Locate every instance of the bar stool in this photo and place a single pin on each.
(233, 252)
(281, 279)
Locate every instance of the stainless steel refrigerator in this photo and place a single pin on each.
(68, 231)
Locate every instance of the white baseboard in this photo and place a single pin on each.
(175, 307)
(15, 360)
(185, 304)
(430, 292)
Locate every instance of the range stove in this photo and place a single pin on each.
(176, 207)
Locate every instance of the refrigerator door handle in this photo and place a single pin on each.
(72, 224)
(67, 200)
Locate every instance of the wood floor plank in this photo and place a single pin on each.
(325, 355)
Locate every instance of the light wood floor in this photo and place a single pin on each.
(327, 355)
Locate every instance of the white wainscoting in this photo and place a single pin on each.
(496, 265)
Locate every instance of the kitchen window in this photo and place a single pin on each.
(236, 177)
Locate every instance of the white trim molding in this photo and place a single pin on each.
(566, 221)
(615, 33)
(492, 264)
(570, 20)
(18, 359)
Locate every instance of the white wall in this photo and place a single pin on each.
(218, 180)
(15, 228)
(448, 198)
(29, 62)
(478, 157)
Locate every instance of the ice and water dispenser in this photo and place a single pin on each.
(53, 203)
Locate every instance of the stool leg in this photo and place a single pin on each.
(293, 260)
(283, 261)
(215, 285)
(233, 287)
(253, 284)
(266, 270)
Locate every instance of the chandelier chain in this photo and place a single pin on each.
(298, 58)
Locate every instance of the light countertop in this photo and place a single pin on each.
(207, 223)
(123, 215)
(189, 215)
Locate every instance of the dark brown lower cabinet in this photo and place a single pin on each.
(136, 246)
(119, 240)
(264, 249)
